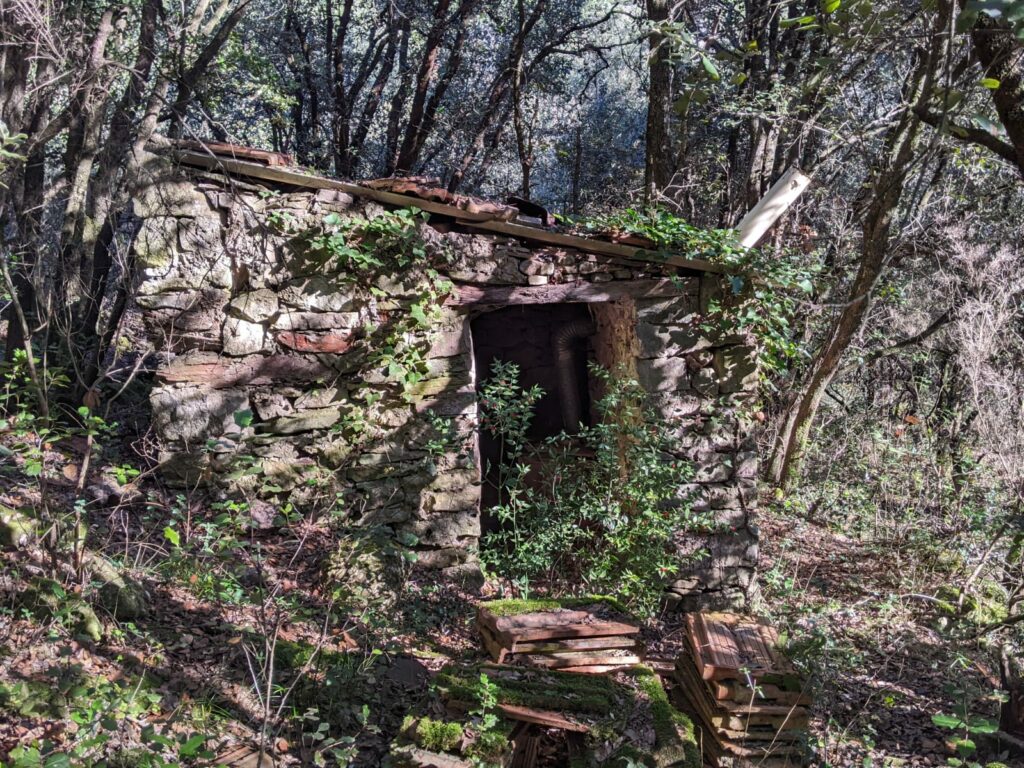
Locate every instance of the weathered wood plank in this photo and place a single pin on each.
(737, 698)
(567, 661)
(483, 221)
(593, 669)
(592, 629)
(492, 645)
(542, 717)
(577, 644)
(236, 152)
(589, 245)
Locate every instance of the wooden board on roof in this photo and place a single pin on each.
(484, 221)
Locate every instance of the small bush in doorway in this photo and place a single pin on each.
(593, 512)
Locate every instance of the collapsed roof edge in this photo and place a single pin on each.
(486, 220)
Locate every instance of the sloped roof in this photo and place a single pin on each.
(426, 194)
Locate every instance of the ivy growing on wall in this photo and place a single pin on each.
(765, 287)
(387, 255)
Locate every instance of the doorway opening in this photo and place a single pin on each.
(551, 344)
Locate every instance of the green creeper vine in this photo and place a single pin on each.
(765, 286)
(377, 253)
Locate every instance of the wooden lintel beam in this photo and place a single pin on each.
(480, 221)
(579, 293)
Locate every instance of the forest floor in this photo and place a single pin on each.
(235, 611)
(861, 618)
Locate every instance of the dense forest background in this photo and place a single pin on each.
(893, 412)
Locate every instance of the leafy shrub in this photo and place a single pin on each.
(591, 512)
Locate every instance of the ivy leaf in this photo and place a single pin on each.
(710, 68)
(990, 82)
(947, 721)
(964, 746)
(172, 536)
(243, 418)
(191, 747)
(417, 314)
(831, 6)
(981, 725)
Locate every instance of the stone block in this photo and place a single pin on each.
(674, 311)
(394, 515)
(446, 530)
(669, 374)
(736, 368)
(319, 294)
(317, 321)
(705, 382)
(193, 311)
(449, 342)
(326, 342)
(746, 464)
(202, 234)
(286, 474)
(190, 415)
(270, 405)
(723, 496)
(452, 500)
(165, 197)
(663, 341)
(305, 421)
(255, 306)
(335, 197)
(674, 406)
(240, 337)
(431, 388)
(442, 558)
(320, 397)
(713, 468)
(536, 265)
(156, 243)
(167, 299)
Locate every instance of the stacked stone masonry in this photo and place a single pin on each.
(241, 327)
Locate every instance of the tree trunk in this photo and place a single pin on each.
(1001, 55)
(884, 191)
(658, 165)
(1011, 713)
(414, 133)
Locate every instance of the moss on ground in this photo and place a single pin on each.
(519, 607)
(438, 735)
(593, 695)
(675, 741)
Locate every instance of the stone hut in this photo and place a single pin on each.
(312, 385)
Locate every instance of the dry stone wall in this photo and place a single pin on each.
(275, 372)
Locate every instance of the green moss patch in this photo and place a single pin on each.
(438, 735)
(502, 608)
(675, 742)
(592, 695)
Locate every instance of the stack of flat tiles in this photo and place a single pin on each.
(745, 696)
(569, 640)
